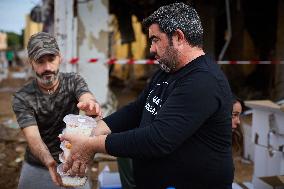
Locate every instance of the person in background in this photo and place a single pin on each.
(10, 57)
(40, 107)
(237, 136)
(179, 130)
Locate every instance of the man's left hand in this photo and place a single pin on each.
(90, 107)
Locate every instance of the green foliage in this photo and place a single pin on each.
(14, 40)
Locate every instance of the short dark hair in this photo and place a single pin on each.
(178, 16)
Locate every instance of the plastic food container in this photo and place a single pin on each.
(74, 124)
(69, 181)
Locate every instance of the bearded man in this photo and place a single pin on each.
(40, 107)
(178, 131)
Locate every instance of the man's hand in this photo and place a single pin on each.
(40, 150)
(53, 173)
(82, 151)
(91, 107)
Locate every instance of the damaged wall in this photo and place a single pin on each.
(93, 28)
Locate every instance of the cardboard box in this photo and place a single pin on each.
(108, 175)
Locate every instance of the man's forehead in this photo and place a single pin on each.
(154, 31)
(46, 56)
(154, 28)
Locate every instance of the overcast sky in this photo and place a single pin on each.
(12, 14)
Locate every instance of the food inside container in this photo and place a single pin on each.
(66, 152)
(69, 181)
(78, 124)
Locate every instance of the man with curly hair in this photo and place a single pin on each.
(178, 131)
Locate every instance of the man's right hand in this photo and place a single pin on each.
(53, 173)
(40, 150)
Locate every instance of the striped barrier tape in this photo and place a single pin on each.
(149, 61)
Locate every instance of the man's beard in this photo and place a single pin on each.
(47, 78)
(169, 61)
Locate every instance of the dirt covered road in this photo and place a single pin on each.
(12, 143)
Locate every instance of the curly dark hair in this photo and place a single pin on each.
(178, 16)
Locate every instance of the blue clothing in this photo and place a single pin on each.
(178, 131)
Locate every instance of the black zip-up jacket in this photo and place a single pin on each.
(178, 131)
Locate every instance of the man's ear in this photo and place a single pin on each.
(179, 37)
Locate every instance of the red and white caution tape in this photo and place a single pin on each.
(115, 61)
(149, 61)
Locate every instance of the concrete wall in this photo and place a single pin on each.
(93, 28)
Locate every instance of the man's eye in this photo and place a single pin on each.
(51, 59)
(155, 40)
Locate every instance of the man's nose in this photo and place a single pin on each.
(153, 49)
(47, 66)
